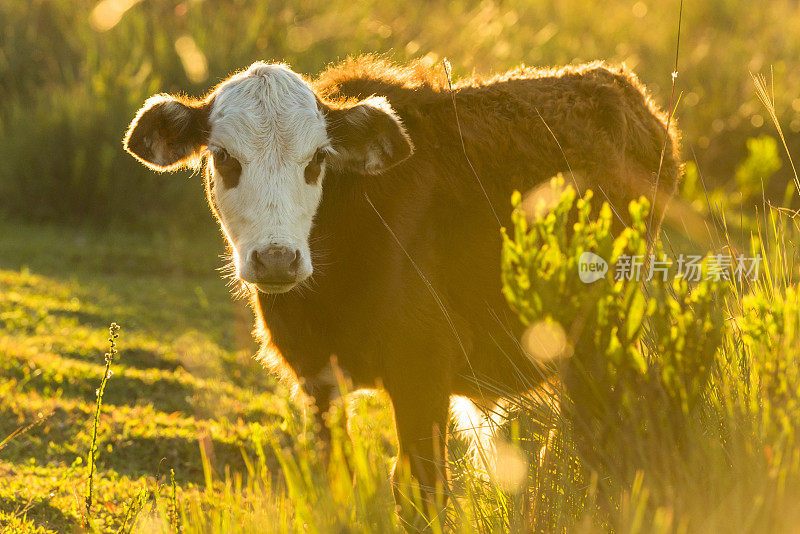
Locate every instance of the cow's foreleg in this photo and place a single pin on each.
(419, 477)
(322, 389)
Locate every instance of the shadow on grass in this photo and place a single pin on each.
(39, 512)
(134, 357)
(60, 441)
(180, 454)
(164, 393)
(86, 318)
(165, 285)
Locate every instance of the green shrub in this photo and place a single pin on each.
(632, 346)
(763, 161)
(681, 399)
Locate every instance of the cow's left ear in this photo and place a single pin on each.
(367, 137)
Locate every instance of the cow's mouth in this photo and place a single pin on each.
(271, 289)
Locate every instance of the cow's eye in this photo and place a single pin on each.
(228, 167)
(319, 156)
(314, 167)
(220, 155)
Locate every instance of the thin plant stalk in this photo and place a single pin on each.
(113, 331)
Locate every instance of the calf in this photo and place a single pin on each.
(363, 209)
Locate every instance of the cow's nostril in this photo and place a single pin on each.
(255, 258)
(296, 261)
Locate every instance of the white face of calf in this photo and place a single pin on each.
(268, 142)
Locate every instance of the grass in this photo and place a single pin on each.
(185, 371)
(113, 332)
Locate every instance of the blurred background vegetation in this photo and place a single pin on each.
(73, 72)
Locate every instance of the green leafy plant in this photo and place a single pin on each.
(631, 345)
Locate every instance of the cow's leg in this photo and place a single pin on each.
(421, 416)
(323, 389)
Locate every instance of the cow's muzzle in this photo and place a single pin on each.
(273, 269)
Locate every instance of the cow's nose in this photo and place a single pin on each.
(275, 265)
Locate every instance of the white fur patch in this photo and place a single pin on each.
(267, 118)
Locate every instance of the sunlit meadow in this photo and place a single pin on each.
(674, 405)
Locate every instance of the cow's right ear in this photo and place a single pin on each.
(168, 133)
(367, 137)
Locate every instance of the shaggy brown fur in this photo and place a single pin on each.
(409, 294)
(406, 292)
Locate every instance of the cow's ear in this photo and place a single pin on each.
(367, 137)
(168, 133)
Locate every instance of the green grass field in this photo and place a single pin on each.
(185, 371)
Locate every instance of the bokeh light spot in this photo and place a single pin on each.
(108, 13)
(545, 341)
(511, 469)
(192, 58)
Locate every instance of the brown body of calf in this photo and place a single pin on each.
(416, 308)
(406, 292)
